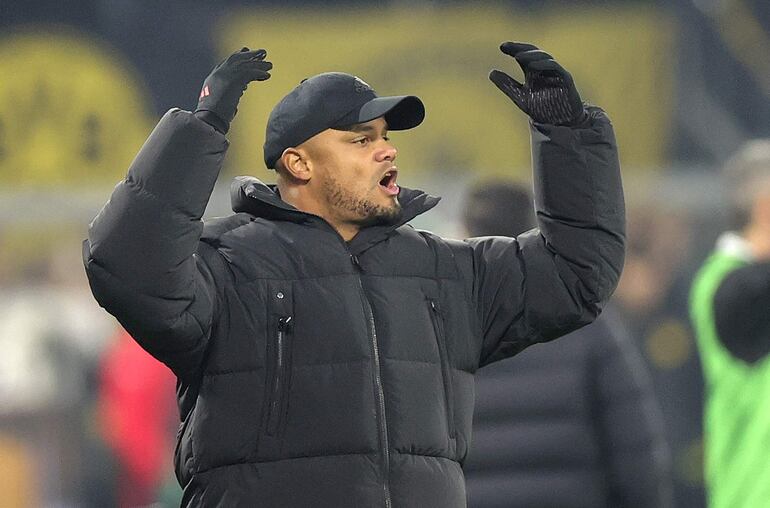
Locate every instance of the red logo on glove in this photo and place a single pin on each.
(204, 92)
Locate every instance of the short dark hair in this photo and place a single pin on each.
(498, 208)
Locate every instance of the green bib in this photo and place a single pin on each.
(737, 412)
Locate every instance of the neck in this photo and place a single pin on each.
(346, 231)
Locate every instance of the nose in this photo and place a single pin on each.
(388, 153)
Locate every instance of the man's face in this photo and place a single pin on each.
(354, 175)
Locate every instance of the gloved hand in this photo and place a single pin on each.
(222, 89)
(548, 94)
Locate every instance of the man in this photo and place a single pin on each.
(729, 305)
(324, 349)
(572, 423)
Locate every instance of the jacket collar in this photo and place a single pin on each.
(250, 195)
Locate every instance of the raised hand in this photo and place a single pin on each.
(548, 94)
(223, 88)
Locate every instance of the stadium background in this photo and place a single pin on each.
(83, 82)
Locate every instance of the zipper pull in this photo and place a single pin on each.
(356, 263)
(284, 323)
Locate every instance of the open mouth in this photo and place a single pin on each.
(388, 182)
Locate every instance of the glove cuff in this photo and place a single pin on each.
(581, 120)
(213, 120)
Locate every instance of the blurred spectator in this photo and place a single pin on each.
(729, 305)
(139, 418)
(652, 298)
(568, 423)
(51, 335)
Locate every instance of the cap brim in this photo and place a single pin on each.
(401, 111)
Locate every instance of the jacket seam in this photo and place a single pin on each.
(255, 462)
(343, 274)
(229, 372)
(226, 232)
(426, 362)
(325, 455)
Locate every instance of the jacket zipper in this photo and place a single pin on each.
(274, 415)
(382, 422)
(438, 327)
(380, 394)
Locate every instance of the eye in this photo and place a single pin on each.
(361, 141)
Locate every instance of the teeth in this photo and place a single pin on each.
(388, 177)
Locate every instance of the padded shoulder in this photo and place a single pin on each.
(214, 228)
(446, 264)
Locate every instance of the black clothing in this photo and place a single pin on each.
(741, 314)
(569, 424)
(318, 372)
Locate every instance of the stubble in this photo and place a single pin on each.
(359, 210)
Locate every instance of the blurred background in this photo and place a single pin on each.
(87, 419)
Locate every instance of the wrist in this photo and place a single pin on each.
(213, 120)
(582, 120)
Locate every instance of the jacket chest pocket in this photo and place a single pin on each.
(446, 374)
(279, 347)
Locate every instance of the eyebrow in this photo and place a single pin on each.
(358, 127)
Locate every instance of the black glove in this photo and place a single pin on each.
(548, 94)
(222, 89)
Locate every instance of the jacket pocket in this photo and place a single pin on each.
(279, 375)
(438, 328)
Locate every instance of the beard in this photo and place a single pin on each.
(359, 210)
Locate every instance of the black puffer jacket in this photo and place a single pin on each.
(314, 372)
(569, 424)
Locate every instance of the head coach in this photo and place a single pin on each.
(324, 348)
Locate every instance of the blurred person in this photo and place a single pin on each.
(137, 415)
(571, 423)
(659, 243)
(729, 305)
(652, 298)
(324, 349)
(51, 335)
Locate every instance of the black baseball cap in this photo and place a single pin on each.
(333, 100)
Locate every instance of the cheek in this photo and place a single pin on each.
(357, 177)
(356, 186)
(351, 172)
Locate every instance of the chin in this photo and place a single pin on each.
(379, 214)
(392, 214)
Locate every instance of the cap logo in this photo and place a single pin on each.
(362, 86)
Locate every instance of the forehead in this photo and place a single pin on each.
(329, 138)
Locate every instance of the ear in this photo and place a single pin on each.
(295, 162)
